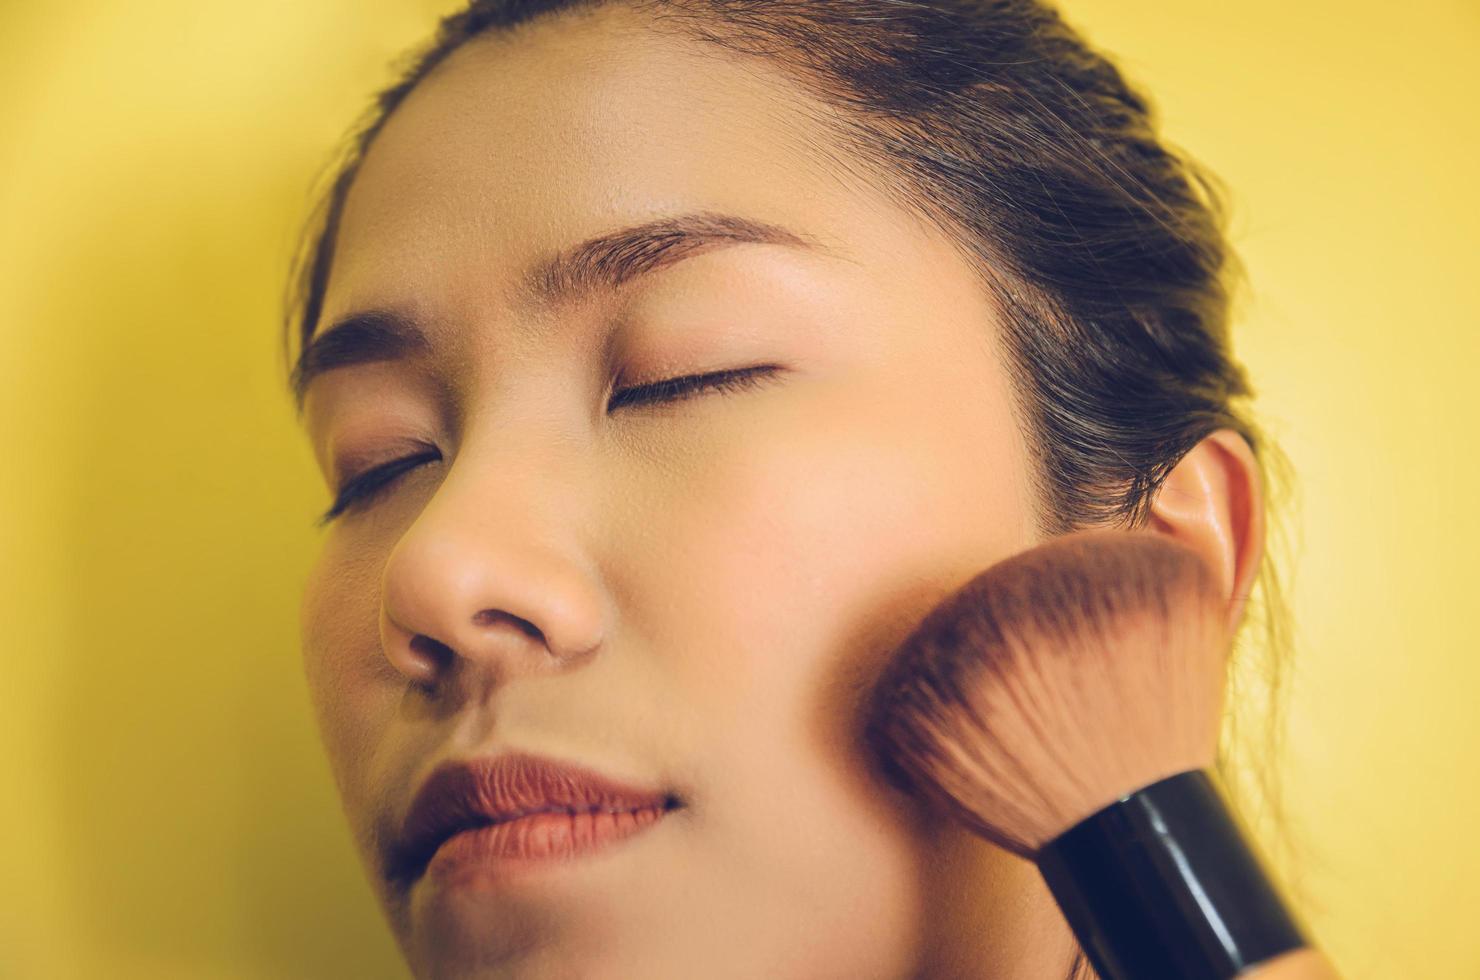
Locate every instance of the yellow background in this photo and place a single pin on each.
(165, 810)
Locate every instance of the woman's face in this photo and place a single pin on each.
(689, 594)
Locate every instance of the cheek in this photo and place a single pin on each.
(811, 543)
(801, 549)
(350, 685)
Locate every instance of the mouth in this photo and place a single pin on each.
(514, 811)
(542, 836)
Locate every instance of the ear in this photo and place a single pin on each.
(1213, 501)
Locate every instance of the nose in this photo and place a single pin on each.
(489, 579)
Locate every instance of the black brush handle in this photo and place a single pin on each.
(1162, 883)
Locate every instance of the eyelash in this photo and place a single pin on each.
(363, 488)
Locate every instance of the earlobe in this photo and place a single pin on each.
(1213, 501)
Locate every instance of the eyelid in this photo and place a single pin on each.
(365, 485)
(683, 386)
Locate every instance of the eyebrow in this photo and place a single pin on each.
(602, 264)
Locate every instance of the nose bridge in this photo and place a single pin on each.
(492, 575)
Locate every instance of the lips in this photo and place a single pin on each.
(535, 807)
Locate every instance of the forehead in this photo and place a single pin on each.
(520, 143)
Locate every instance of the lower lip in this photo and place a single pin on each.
(537, 840)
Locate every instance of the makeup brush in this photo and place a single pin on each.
(1065, 704)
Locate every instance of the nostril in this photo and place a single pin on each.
(487, 617)
(437, 652)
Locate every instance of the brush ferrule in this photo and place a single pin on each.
(1162, 883)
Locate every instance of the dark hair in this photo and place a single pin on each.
(1102, 247)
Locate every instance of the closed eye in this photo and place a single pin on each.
(360, 490)
(677, 389)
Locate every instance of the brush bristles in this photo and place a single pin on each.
(1056, 682)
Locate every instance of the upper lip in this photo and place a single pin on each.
(458, 796)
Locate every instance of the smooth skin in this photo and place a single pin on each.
(690, 594)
